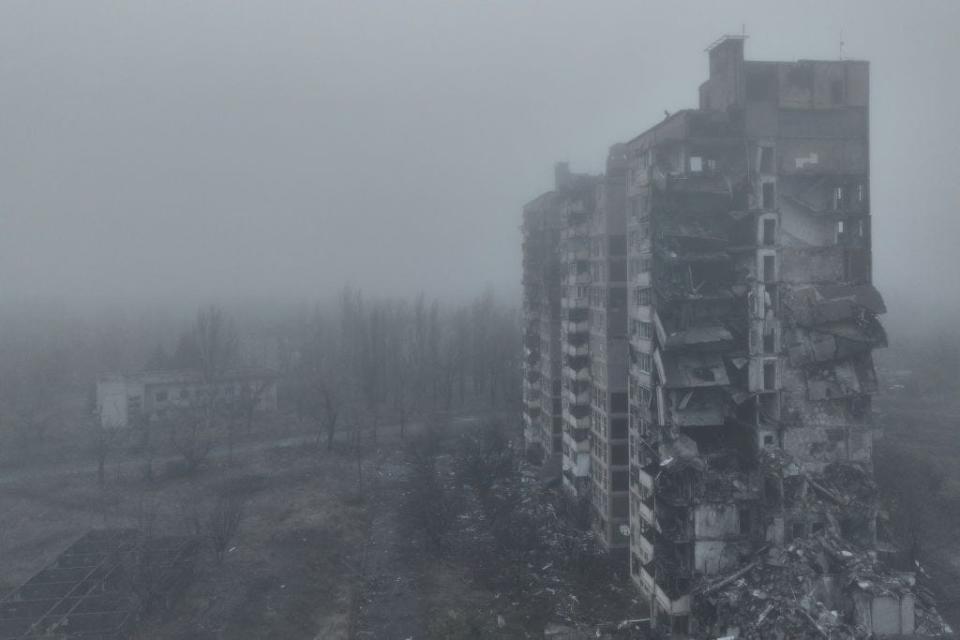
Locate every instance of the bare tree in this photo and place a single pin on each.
(105, 441)
(146, 430)
(328, 410)
(217, 343)
(317, 378)
(193, 429)
(251, 395)
(30, 390)
(242, 408)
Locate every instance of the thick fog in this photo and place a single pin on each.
(193, 151)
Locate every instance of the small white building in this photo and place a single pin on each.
(124, 398)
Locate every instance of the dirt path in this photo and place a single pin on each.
(388, 608)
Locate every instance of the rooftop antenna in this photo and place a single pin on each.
(841, 44)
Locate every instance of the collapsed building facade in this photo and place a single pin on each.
(738, 447)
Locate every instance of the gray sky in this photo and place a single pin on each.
(202, 149)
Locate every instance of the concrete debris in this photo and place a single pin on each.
(820, 586)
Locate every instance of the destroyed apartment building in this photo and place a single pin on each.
(699, 324)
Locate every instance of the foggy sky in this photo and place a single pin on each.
(186, 149)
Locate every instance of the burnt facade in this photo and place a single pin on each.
(743, 342)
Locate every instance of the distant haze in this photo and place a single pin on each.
(195, 150)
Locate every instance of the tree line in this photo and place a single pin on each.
(392, 361)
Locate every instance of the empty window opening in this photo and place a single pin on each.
(798, 530)
(769, 341)
(769, 231)
(817, 527)
(619, 454)
(838, 197)
(769, 195)
(769, 376)
(768, 440)
(769, 268)
(766, 159)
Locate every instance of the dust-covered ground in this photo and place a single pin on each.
(330, 549)
(292, 569)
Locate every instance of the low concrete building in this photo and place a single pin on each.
(123, 399)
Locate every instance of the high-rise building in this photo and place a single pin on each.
(717, 325)
(752, 313)
(544, 225)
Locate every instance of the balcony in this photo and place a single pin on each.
(532, 400)
(531, 421)
(641, 377)
(646, 580)
(646, 547)
(531, 433)
(645, 512)
(577, 398)
(576, 350)
(577, 362)
(576, 327)
(581, 302)
(641, 279)
(581, 423)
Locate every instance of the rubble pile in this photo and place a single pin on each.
(813, 588)
(522, 544)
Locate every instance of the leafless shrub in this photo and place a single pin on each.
(224, 523)
(191, 435)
